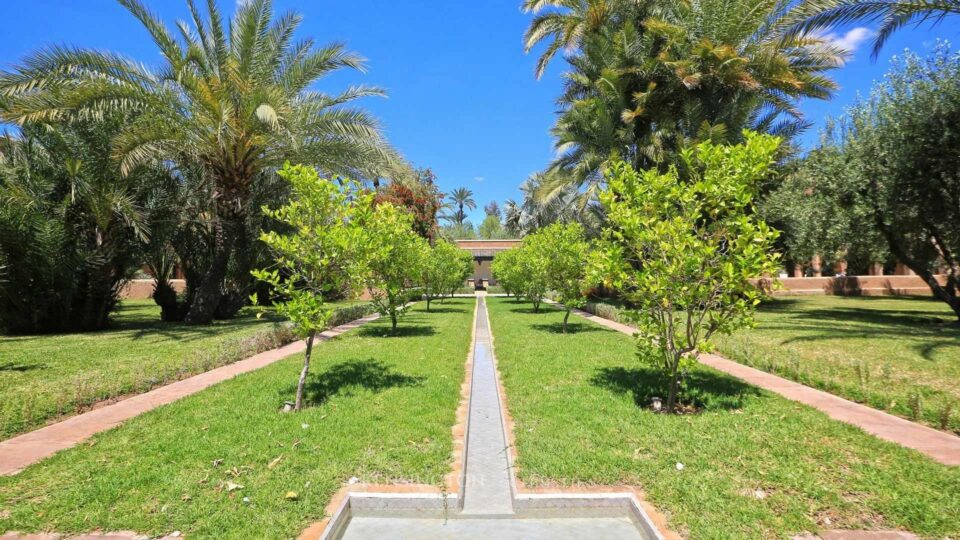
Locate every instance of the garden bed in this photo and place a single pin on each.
(749, 465)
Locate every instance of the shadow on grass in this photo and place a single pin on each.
(13, 366)
(572, 328)
(529, 310)
(401, 331)
(705, 390)
(342, 378)
(434, 308)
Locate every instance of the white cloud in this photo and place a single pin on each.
(478, 179)
(849, 41)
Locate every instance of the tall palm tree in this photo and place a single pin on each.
(813, 15)
(461, 200)
(235, 99)
(652, 79)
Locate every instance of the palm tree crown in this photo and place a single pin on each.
(461, 199)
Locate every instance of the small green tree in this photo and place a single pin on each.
(684, 251)
(394, 255)
(506, 270)
(442, 269)
(319, 256)
(562, 251)
(532, 273)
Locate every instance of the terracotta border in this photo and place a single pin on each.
(520, 489)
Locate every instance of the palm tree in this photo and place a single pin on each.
(892, 15)
(461, 200)
(235, 100)
(653, 79)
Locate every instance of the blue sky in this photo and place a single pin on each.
(463, 99)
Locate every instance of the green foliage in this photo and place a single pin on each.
(563, 253)
(444, 268)
(684, 251)
(324, 251)
(506, 270)
(71, 226)
(891, 172)
(492, 228)
(392, 257)
(238, 99)
(647, 79)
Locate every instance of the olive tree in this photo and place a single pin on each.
(561, 251)
(394, 253)
(319, 256)
(684, 250)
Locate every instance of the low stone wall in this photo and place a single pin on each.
(855, 285)
(140, 289)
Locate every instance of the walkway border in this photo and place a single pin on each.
(937, 445)
(24, 450)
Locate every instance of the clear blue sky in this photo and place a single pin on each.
(463, 99)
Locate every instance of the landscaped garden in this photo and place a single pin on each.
(225, 462)
(901, 355)
(747, 464)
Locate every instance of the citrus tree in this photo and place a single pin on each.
(684, 251)
(319, 255)
(561, 251)
(442, 269)
(394, 255)
(506, 269)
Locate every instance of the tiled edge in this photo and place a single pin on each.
(521, 491)
(337, 512)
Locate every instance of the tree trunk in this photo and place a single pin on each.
(565, 317)
(674, 385)
(208, 294)
(428, 302)
(165, 296)
(393, 320)
(536, 306)
(303, 373)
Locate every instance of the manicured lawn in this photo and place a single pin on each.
(43, 377)
(882, 351)
(754, 465)
(381, 409)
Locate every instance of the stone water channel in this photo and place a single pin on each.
(489, 506)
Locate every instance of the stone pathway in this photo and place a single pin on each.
(938, 445)
(24, 450)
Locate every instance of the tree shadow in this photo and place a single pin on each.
(401, 331)
(704, 389)
(434, 308)
(343, 378)
(572, 328)
(529, 310)
(13, 366)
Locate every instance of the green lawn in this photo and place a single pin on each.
(43, 377)
(754, 465)
(381, 409)
(896, 354)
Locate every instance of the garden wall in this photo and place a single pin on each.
(855, 285)
(139, 289)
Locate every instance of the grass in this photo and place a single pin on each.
(381, 409)
(900, 355)
(45, 377)
(754, 465)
